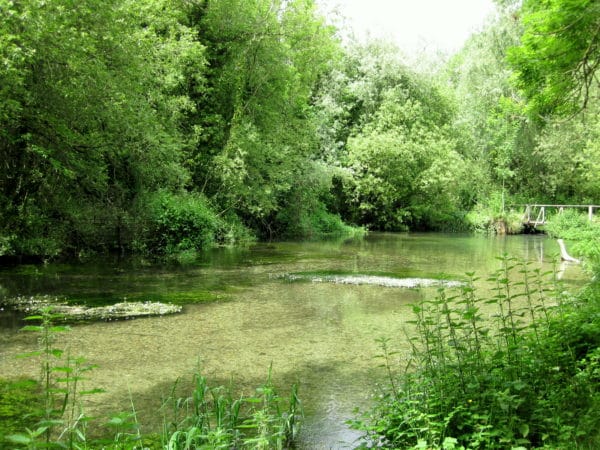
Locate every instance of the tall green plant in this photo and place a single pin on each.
(63, 422)
(213, 418)
(516, 381)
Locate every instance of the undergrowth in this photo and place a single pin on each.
(583, 233)
(518, 369)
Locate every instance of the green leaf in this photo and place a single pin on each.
(524, 429)
(29, 354)
(35, 328)
(56, 352)
(93, 391)
(19, 438)
(34, 318)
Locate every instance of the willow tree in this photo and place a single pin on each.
(389, 129)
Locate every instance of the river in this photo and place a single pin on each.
(318, 333)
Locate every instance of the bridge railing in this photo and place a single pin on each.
(535, 213)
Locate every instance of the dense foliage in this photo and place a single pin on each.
(389, 130)
(168, 126)
(582, 233)
(559, 56)
(106, 108)
(250, 118)
(518, 369)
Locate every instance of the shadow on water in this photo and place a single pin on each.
(321, 335)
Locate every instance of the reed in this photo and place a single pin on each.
(214, 418)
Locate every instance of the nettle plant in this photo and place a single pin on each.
(63, 422)
(499, 371)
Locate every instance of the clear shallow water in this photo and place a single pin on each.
(321, 335)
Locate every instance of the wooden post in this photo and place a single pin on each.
(543, 215)
(590, 212)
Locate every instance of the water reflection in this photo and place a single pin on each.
(319, 334)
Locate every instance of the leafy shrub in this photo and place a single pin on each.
(529, 380)
(311, 224)
(494, 217)
(174, 223)
(180, 224)
(33, 234)
(305, 213)
(569, 224)
(585, 234)
(233, 232)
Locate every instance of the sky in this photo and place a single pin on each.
(416, 26)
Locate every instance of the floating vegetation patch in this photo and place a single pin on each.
(376, 280)
(95, 299)
(122, 310)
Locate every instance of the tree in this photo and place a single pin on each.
(559, 55)
(89, 117)
(492, 113)
(389, 130)
(256, 118)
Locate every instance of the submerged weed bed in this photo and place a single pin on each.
(376, 280)
(68, 312)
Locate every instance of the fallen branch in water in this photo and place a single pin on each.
(563, 253)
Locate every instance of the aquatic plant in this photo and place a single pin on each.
(67, 312)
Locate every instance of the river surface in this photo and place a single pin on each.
(313, 331)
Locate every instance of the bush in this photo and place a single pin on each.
(486, 220)
(530, 380)
(175, 223)
(181, 224)
(585, 234)
(310, 219)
